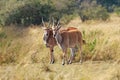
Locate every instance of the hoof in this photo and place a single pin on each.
(70, 62)
(52, 62)
(63, 63)
(80, 61)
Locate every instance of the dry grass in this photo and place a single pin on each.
(23, 56)
(103, 39)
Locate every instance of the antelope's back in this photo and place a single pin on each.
(71, 37)
(75, 37)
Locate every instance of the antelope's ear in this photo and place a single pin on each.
(44, 28)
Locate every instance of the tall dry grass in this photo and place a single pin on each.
(102, 38)
(23, 56)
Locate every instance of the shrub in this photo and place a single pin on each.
(117, 11)
(91, 11)
(3, 35)
(67, 18)
(30, 13)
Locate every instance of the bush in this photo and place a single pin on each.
(67, 18)
(30, 13)
(94, 13)
(64, 11)
(3, 35)
(90, 10)
(117, 11)
(26, 12)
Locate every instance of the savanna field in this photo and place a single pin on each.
(23, 55)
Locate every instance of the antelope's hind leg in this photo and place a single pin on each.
(64, 57)
(72, 55)
(81, 55)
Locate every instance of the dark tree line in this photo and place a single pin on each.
(33, 10)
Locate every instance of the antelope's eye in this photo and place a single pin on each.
(46, 33)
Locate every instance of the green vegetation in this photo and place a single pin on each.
(94, 13)
(117, 10)
(30, 12)
(26, 12)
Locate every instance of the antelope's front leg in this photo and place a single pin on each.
(64, 57)
(63, 60)
(51, 56)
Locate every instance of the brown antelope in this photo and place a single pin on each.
(50, 41)
(68, 39)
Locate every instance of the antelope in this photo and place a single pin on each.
(68, 39)
(50, 41)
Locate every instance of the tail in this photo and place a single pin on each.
(84, 42)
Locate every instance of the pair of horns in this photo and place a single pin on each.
(53, 26)
(44, 23)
